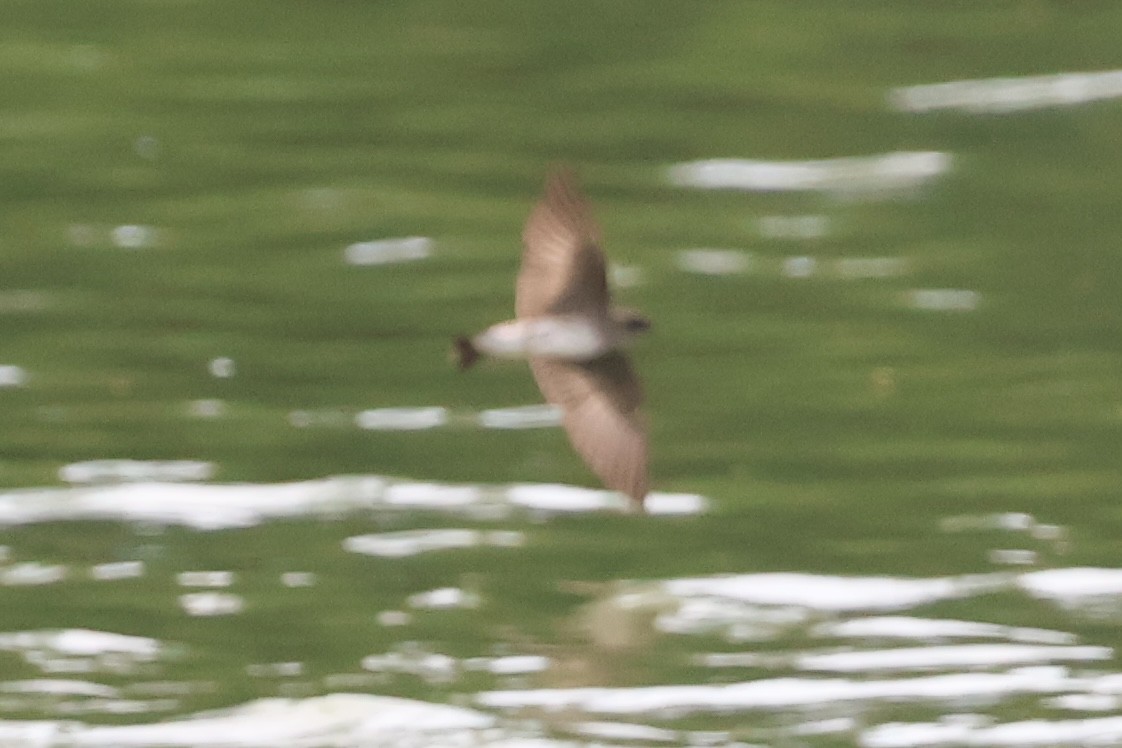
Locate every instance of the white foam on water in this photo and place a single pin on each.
(799, 267)
(739, 660)
(804, 228)
(82, 650)
(390, 618)
(901, 659)
(833, 593)
(148, 147)
(110, 471)
(521, 417)
(934, 629)
(1084, 702)
(851, 176)
(1033, 663)
(60, 687)
(322, 198)
(67, 697)
(81, 643)
(1109, 683)
(432, 667)
(133, 236)
(1097, 731)
(708, 261)
(1008, 521)
(202, 507)
(410, 658)
(781, 693)
(211, 604)
(1013, 521)
(117, 570)
(388, 251)
(509, 664)
(943, 299)
(341, 720)
(275, 669)
(901, 734)
(1074, 587)
(1009, 95)
(12, 376)
(763, 607)
(169, 688)
(207, 408)
(433, 496)
(1012, 556)
(220, 506)
(560, 499)
(352, 681)
(222, 367)
(825, 726)
(624, 731)
(1048, 532)
(320, 418)
(300, 419)
(31, 573)
(73, 706)
(444, 598)
(299, 579)
(23, 301)
(412, 542)
(401, 419)
(557, 498)
(947, 657)
(205, 578)
(737, 621)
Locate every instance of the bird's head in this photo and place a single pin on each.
(631, 322)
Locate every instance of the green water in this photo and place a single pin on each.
(259, 139)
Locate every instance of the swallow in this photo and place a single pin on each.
(575, 339)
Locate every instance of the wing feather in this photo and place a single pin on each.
(563, 268)
(600, 401)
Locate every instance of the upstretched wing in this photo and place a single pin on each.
(600, 401)
(562, 265)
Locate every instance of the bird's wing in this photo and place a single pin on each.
(563, 267)
(600, 401)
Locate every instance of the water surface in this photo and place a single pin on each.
(248, 501)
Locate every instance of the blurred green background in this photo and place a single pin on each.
(257, 140)
(832, 425)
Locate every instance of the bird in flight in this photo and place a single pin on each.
(575, 338)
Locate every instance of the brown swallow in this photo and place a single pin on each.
(574, 338)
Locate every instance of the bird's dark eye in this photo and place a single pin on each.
(637, 324)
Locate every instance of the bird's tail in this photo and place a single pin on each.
(464, 351)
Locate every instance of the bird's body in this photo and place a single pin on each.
(570, 337)
(574, 338)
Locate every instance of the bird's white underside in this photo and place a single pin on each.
(569, 337)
